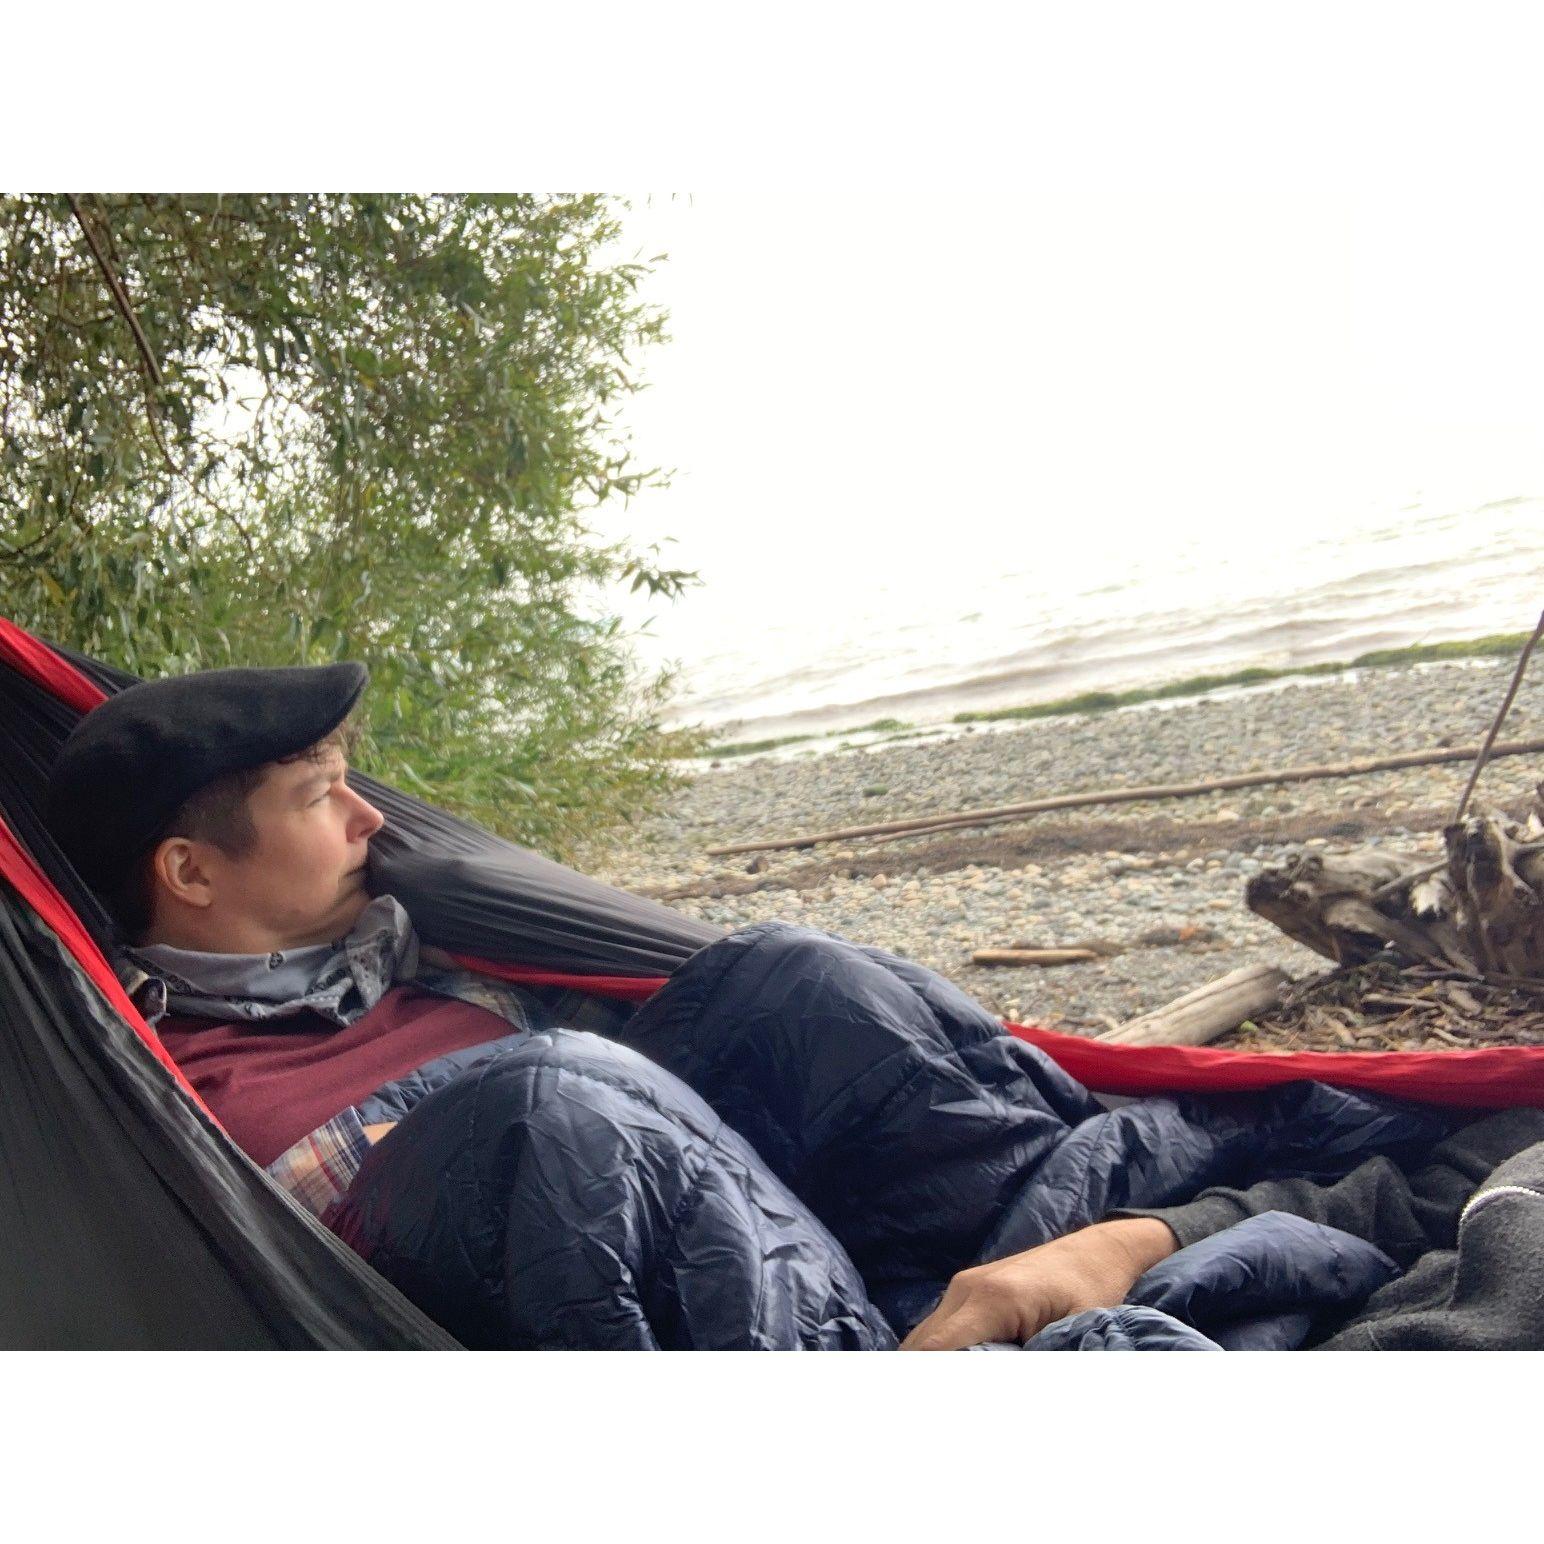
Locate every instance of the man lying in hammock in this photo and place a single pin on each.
(800, 1141)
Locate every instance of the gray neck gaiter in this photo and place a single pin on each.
(341, 981)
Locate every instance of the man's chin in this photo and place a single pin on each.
(350, 909)
(346, 911)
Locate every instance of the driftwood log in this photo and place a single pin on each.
(1032, 956)
(1480, 912)
(1207, 1012)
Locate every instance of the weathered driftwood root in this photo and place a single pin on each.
(1496, 875)
(1207, 1012)
(1481, 912)
(1351, 907)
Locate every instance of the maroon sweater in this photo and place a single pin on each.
(270, 1085)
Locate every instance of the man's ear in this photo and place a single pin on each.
(180, 872)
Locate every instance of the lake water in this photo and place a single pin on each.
(795, 646)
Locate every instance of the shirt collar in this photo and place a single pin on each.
(341, 980)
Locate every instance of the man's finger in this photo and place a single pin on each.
(925, 1333)
(953, 1296)
(969, 1325)
(920, 1338)
(926, 1337)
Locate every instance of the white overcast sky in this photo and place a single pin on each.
(856, 377)
(1088, 278)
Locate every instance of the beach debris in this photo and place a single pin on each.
(1479, 910)
(986, 817)
(1040, 957)
(1105, 948)
(1383, 1005)
(1211, 1010)
(1176, 937)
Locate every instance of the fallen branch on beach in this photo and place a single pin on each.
(1207, 1012)
(986, 817)
(1033, 956)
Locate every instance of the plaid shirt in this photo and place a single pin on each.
(321, 1166)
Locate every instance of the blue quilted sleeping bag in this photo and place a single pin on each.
(799, 1143)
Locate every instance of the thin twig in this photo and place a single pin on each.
(1495, 728)
(8, 553)
(1407, 879)
(119, 294)
(151, 369)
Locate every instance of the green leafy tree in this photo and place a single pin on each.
(286, 429)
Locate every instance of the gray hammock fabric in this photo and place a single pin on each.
(130, 1221)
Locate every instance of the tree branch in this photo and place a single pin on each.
(151, 369)
(119, 294)
(8, 553)
(1495, 728)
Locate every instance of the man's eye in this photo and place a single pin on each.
(321, 798)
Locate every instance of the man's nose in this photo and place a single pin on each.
(365, 820)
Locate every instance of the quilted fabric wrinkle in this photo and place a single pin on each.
(1105, 1162)
(587, 1168)
(786, 980)
(484, 1208)
(691, 1198)
(1122, 1328)
(699, 1249)
(1266, 1284)
(954, 1102)
(661, 1187)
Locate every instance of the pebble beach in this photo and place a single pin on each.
(1155, 887)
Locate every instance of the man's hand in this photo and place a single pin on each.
(1014, 1299)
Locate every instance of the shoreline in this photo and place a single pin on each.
(1157, 886)
(1490, 646)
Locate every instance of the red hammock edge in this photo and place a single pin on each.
(1497, 1078)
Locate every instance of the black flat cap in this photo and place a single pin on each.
(130, 764)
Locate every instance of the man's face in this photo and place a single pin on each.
(303, 881)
